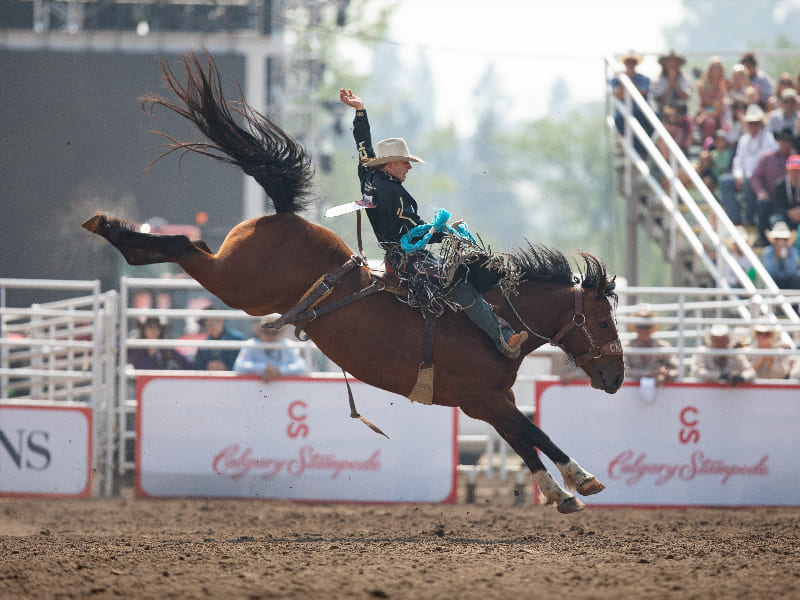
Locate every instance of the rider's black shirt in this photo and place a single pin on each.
(395, 209)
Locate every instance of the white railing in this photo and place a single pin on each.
(63, 351)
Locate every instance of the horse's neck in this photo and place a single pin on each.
(542, 306)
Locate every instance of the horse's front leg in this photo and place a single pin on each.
(515, 428)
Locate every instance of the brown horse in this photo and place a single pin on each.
(266, 264)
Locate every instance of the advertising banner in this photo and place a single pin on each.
(291, 438)
(45, 450)
(684, 445)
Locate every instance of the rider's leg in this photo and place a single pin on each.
(480, 313)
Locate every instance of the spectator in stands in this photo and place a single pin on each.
(780, 258)
(784, 82)
(770, 168)
(769, 367)
(678, 126)
(755, 142)
(752, 95)
(740, 258)
(784, 117)
(786, 195)
(659, 367)
(738, 83)
(737, 124)
(216, 359)
(631, 60)
(672, 88)
(715, 161)
(722, 368)
(154, 357)
(757, 78)
(269, 363)
(712, 90)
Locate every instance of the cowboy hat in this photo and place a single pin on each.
(748, 237)
(780, 231)
(671, 56)
(718, 330)
(754, 114)
(644, 318)
(629, 55)
(390, 150)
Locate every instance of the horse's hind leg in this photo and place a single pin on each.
(142, 248)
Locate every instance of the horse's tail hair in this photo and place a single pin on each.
(261, 148)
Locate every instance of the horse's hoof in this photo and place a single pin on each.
(591, 486)
(570, 505)
(95, 223)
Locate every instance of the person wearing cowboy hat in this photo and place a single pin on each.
(672, 88)
(279, 360)
(631, 60)
(781, 258)
(721, 368)
(392, 212)
(660, 367)
(755, 142)
(766, 366)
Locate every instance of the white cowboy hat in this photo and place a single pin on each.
(718, 330)
(629, 55)
(780, 231)
(754, 114)
(390, 150)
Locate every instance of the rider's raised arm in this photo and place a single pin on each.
(361, 131)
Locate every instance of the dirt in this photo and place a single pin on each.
(494, 548)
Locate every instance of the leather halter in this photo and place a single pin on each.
(578, 320)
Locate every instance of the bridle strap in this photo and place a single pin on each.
(614, 347)
(578, 318)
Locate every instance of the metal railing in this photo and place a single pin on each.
(63, 352)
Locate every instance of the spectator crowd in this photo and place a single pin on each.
(747, 132)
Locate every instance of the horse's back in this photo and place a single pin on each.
(265, 264)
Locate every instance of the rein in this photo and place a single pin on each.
(578, 320)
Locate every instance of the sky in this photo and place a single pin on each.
(530, 43)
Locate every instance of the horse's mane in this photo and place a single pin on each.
(260, 148)
(537, 262)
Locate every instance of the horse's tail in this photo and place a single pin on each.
(261, 149)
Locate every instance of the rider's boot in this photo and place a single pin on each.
(480, 313)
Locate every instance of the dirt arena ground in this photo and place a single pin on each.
(494, 548)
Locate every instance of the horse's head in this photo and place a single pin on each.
(584, 323)
(590, 336)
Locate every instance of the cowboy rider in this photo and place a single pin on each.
(392, 212)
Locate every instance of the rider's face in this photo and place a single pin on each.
(398, 169)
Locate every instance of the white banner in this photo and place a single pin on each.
(45, 450)
(291, 438)
(685, 445)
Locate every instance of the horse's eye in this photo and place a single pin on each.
(603, 324)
